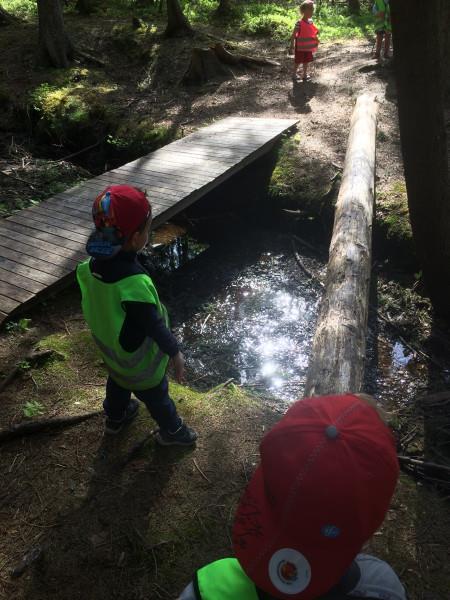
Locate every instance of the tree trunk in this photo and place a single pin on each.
(177, 23)
(54, 44)
(205, 65)
(420, 86)
(354, 7)
(85, 7)
(338, 351)
(214, 62)
(224, 9)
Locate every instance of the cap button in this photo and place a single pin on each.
(331, 432)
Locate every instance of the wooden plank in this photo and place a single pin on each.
(8, 304)
(64, 213)
(188, 178)
(14, 252)
(57, 241)
(44, 216)
(142, 180)
(12, 291)
(26, 271)
(20, 281)
(174, 162)
(158, 199)
(167, 168)
(169, 183)
(40, 242)
(58, 232)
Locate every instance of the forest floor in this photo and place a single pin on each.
(120, 518)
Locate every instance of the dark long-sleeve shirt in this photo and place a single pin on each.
(142, 319)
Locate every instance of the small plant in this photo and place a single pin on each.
(20, 326)
(33, 408)
(24, 365)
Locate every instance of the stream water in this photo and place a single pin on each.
(244, 309)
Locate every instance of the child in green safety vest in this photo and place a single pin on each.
(128, 321)
(327, 473)
(383, 28)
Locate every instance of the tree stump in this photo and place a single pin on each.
(205, 65)
(216, 62)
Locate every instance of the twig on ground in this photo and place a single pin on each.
(32, 358)
(28, 428)
(200, 471)
(423, 464)
(219, 387)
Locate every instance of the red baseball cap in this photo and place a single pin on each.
(117, 212)
(327, 474)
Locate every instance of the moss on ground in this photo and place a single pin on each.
(392, 213)
(302, 183)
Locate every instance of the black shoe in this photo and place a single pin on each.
(112, 427)
(183, 436)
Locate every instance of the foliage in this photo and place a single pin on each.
(20, 326)
(136, 137)
(21, 8)
(74, 106)
(274, 19)
(32, 408)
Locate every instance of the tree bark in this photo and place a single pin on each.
(338, 351)
(204, 66)
(214, 62)
(85, 7)
(177, 23)
(224, 9)
(55, 46)
(420, 86)
(354, 7)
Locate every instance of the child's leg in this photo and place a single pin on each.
(116, 401)
(119, 408)
(161, 406)
(305, 70)
(378, 44)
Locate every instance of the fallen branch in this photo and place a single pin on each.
(31, 427)
(423, 464)
(304, 268)
(200, 471)
(35, 357)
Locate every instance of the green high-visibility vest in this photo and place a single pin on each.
(381, 6)
(225, 580)
(102, 305)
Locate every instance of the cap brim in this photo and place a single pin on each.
(100, 247)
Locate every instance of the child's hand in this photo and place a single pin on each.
(177, 363)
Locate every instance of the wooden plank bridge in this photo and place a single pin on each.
(41, 245)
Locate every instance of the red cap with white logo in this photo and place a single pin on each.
(327, 474)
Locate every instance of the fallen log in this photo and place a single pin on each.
(338, 350)
(216, 62)
(40, 425)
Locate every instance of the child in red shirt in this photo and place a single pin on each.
(304, 40)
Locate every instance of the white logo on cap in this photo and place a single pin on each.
(289, 571)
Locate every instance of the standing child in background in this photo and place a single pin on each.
(304, 40)
(383, 28)
(128, 321)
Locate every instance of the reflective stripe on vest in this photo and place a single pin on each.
(225, 580)
(102, 305)
(306, 37)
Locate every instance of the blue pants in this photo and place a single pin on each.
(156, 399)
